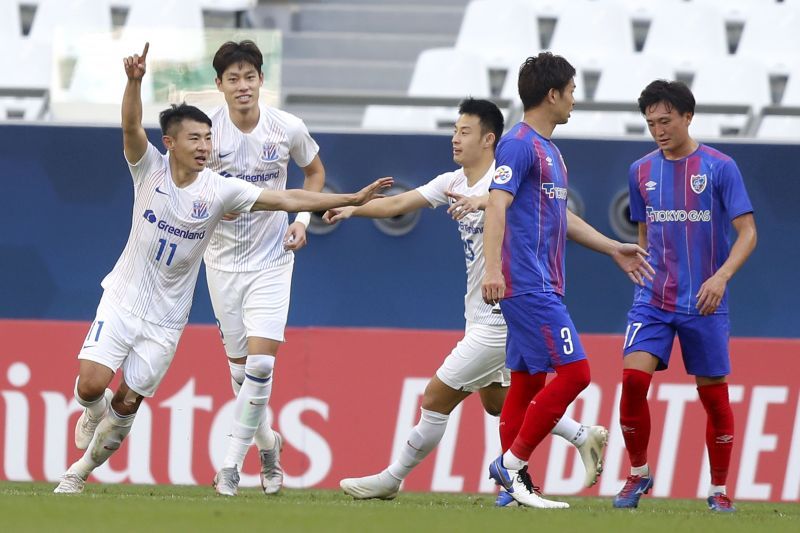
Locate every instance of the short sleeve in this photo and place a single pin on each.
(434, 190)
(303, 148)
(147, 164)
(635, 200)
(730, 185)
(238, 196)
(514, 160)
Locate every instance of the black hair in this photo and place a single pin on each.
(175, 114)
(539, 74)
(675, 94)
(490, 116)
(233, 53)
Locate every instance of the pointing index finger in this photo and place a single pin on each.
(146, 48)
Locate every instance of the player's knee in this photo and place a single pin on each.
(237, 371)
(635, 383)
(89, 389)
(492, 408)
(259, 366)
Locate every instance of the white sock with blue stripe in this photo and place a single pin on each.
(251, 407)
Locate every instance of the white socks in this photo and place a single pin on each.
(95, 408)
(713, 489)
(512, 462)
(264, 437)
(108, 437)
(571, 430)
(251, 407)
(422, 439)
(641, 471)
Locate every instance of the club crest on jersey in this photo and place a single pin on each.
(199, 210)
(269, 152)
(698, 182)
(502, 175)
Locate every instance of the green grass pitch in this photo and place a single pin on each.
(150, 509)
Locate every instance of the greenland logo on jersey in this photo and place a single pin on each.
(552, 191)
(199, 210)
(698, 182)
(650, 185)
(151, 217)
(269, 152)
(502, 175)
(678, 215)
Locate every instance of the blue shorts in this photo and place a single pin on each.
(703, 339)
(541, 334)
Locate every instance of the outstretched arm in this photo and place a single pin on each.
(390, 206)
(296, 200)
(134, 138)
(465, 205)
(713, 289)
(630, 258)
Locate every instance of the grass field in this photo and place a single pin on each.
(118, 508)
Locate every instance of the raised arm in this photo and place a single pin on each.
(630, 258)
(134, 138)
(296, 200)
(713, 289)
(493, 287)
(390, 206)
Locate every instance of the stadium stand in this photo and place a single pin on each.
(395, 64)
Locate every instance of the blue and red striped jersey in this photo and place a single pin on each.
(530, 167)
(688, 205)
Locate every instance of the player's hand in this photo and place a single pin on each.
(136, 65)
(493, 287)
(332, 216)
(632, 259)
(295, 237)
(372, 191)
(227, 217)
(710, 294)
(463, 205)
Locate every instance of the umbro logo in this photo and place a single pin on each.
(724, 439)
(650, 185)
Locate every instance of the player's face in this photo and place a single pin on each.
(468, 141)
(668, 127)
(240, 83)
(190, 145)
(565, 101)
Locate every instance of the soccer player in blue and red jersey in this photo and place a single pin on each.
(684, 195)
(525, 231)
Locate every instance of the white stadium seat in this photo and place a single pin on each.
(66, 20)
(502, 32)
(682, 29)
(173, 27)
(594, 30)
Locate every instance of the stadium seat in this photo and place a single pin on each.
(450, 72)
(65, 20)
(682, 29)
(596, 31)
(770, 36)
(26, 65)
(732, 81)
(99, 77)
(445, 72)
(173, 27)
(502, 32)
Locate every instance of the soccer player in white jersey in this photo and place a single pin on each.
(249, 260)
(477, 363)
(148, 294)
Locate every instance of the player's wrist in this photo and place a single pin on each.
(303, 218)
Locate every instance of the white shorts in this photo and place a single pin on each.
(144, 350)
(250, 304)
(478, 360)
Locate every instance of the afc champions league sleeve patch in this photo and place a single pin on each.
(502, 175)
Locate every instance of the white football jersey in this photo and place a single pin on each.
(254, 241)
(471, 229)
(154, 278)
